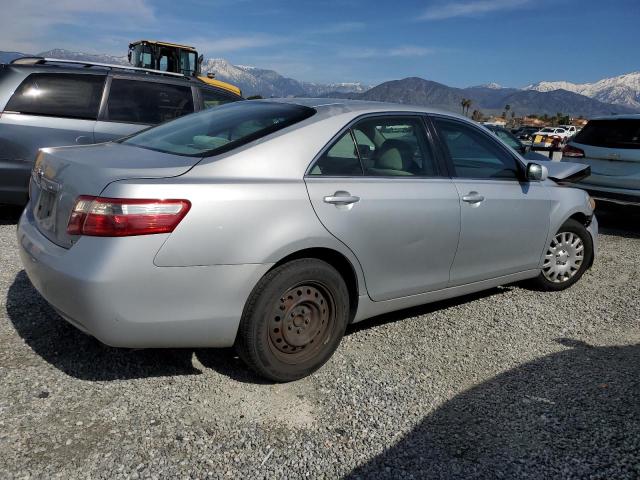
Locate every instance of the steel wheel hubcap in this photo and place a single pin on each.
(300, 322)
(563, 258)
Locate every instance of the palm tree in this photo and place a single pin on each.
(469, 102)
(507, 107)
(463, 103)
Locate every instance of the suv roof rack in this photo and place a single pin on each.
(43, 60)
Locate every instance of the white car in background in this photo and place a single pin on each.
(611, 147)
(549, 138)
(570, 130)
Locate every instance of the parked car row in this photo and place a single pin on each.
(48, 104)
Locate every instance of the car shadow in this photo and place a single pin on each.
(83, 357)
(9, 214)
(619, 220)
(424, 309)
(572, 414)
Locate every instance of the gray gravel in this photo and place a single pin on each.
(510, 383)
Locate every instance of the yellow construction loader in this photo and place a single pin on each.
(172, 57)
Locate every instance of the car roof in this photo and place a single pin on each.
(627, 116)
(99, 70)
(322, 105)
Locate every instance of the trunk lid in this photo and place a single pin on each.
(62, 174)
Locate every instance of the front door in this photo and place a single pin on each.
(386, 200)
(504, 220)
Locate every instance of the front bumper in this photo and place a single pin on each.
(110, 289)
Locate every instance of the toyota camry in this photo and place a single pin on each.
(271, 225)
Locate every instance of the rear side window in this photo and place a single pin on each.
(220, 129)
(213, 98)
(59, 95)
(137, 101)
(340, 160)
(623, 133)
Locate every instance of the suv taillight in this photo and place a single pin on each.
(123, 217)
(572, 152)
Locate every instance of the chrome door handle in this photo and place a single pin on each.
(473, 197)
(341, 198)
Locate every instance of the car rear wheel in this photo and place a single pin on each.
(567, 257)
(294, 320)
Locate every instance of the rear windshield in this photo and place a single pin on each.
(220, 129)
(622, 133)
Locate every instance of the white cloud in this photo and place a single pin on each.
(468, 8)
(28, 25)
(400, 51)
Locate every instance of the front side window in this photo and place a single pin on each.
(474, 154)
(59, 95)
(213, 98)
(135, 101)
(394, 146)
(220, 129)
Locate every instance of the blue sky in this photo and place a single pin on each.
(457, 42)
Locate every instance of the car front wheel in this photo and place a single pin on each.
(294, 320)
(567, 257)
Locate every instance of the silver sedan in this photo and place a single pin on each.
(272, 225)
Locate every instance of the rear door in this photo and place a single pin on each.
(46, 110)
(133, 104)
(387, 200)
(612, 149)
(504, 220)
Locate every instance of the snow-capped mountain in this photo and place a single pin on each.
(622, 90)
(491, 85)
(269, 83)
(61, 53)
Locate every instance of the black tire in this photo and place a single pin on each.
(571, 226)
(294, 320)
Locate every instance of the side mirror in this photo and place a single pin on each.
(536, 172)
(129, 56)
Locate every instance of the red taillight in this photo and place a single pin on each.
(122, 217)
(572, 152)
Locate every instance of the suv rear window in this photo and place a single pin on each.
(213, 98)
(622, 133)
(150, 103)
(59, 95)
(220, 129)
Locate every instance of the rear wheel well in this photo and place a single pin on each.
(338, 261)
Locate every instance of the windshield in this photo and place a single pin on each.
(508, 138)
(548, 130)
(220, 129)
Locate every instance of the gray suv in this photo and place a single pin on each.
(47, 103)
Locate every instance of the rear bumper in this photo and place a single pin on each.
(110, 289)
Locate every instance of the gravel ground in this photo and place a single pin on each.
(509, 383)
